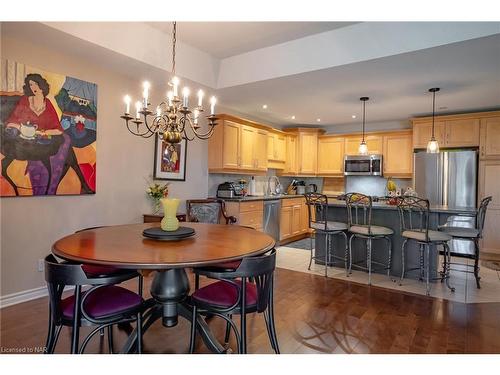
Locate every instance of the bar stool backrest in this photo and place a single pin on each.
(414, 215)
(481, 214)
(317, 206)
(359, 210)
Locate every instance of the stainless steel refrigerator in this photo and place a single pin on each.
(447, 178)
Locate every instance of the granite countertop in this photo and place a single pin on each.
(333, 201)
(261, 197)
(433, 208)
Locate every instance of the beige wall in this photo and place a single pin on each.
(30, 225)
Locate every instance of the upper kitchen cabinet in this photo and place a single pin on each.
(452, 131)
(462, 133)
(237, 147)
(291, 149)
(308, 150)
(398, 154)
(331, 156)
(490, 138)
(276, 150)
(373, 142)
(422, 133)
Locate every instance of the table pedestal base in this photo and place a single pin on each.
(170, 290)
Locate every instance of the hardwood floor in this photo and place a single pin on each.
(313, 315)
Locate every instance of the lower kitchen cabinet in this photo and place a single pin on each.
(250, 214)
(294, 219)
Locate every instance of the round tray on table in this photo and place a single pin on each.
(156, 233)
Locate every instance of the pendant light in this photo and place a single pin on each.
(433, 146)
(363, 148)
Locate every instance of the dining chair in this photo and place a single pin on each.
(414, 223)
(465, 233)
(103, 305)
(210, 210)
(248, 289)
(317, 207)
(359, 218)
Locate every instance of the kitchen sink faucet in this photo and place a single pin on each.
(277, 188)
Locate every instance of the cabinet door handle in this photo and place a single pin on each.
(482, 150)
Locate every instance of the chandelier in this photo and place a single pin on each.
(172, 120)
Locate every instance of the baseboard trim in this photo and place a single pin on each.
(24, 296)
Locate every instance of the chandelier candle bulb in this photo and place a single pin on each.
(170, 96)
(185, 97)
(145, 93)
(127, 100)
(213, 100)
(175, 83)
(158, 111)
(196, 114)
(200, 98)
(138, 110)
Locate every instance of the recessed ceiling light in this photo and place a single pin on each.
(353, 116)
(293, 117)
(264, 106)
(318, 120)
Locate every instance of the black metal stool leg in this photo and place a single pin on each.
(402, 262)
(193, 330)
(110, 339)
(476, 263)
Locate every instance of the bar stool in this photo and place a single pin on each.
(414, 220)
(360, 226)
(317, 205)
(469, 234)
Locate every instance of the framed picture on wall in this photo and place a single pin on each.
(170, 160)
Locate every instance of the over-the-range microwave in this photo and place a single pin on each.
(363, 165)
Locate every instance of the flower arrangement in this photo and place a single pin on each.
(156, 192)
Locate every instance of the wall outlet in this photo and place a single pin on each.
(41, 265)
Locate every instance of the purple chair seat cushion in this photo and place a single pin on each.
(224, 294)
(98, 271)
(103, 302)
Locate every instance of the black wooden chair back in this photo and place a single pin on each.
(414, 215)
(317, 207)
(58, 275)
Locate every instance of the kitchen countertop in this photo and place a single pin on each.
(332, 201)
(433, 208)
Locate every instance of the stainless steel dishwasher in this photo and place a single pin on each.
(272, 218)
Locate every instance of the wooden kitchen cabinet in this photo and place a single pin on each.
(489, 185)
(291, 164)
(250, 213)
(231, 144)
(294, 218)
(398, 155)
(308, 153)
(373, 142)
(237, 148)
(276, 147)
(490, 138)
(331, 156)
(462, 133)
(422, 133)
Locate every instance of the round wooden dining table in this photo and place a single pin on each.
(124, 246)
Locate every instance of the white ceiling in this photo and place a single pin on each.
(395, 69)
(225, 39)
(468, 74)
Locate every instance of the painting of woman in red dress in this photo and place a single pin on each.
(32, 132)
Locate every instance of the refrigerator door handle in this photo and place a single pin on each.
(446, 177)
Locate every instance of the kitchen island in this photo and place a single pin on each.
(386, 215)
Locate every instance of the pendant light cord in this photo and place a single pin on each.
(433, 111)
(364, 104)
(174, 40)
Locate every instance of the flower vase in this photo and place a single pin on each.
(169, 222)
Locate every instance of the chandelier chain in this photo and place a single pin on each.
(174, 40)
